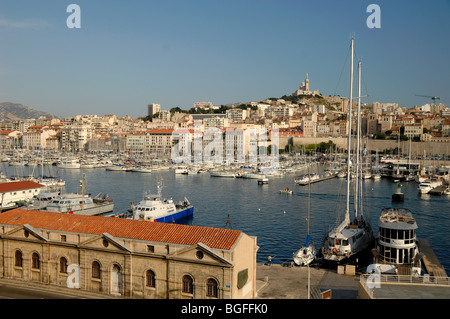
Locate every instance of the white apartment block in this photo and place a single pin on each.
(413, 130)
(153, 108)
(237, 115)
(236, 145)
(9, 139)
(323, 129)
(75, 136)
(159, 142)
(36, 137)
(280, 111)
(136, 141)
(25, 124)
(216, 121)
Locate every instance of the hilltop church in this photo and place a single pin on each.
(304, 89)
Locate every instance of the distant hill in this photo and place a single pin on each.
(10, 112)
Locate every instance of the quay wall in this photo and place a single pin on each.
(430, 148)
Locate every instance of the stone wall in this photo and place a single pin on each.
(430, 148)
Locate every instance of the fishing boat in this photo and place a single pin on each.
(351, 237)
(396, 245)
(153, 207)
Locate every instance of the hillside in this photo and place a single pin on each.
(10, 112)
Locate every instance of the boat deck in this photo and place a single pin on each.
(430, 261)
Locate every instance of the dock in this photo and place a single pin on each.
(438, 190)
(430, 261)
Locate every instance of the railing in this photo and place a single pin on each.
(370, 282)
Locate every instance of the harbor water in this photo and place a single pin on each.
(279, 221)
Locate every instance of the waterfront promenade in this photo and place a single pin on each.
(279, 282)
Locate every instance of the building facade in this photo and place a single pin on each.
(127, 258)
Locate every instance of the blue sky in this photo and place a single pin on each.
(130, 53)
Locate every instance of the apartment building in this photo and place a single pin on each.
(74, 137)
(10, 139)
(414, 130)
(36, 137)
(159, 142)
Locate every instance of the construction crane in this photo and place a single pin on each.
(434, 98)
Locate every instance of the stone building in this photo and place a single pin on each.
(126, 258)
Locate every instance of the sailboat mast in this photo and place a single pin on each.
(349, 144)
(358, 130)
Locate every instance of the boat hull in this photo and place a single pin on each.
(179, 214)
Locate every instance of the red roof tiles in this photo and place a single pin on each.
(124, 228)
(17, 186)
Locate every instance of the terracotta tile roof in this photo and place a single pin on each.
(161, 131)
(124, 228)
(16, 186)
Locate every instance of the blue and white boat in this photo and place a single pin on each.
(153, 207)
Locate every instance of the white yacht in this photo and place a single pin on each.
(306, 254)
(306, 178)
(118, 168)
(223, 173)
(142, 169)
(396, 244)
(426, 186)
(350, 237)
(70, 164)
(181, 170)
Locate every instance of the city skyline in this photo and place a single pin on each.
(127, 55)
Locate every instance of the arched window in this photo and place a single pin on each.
(18, 258)
(188, 284)
(63, 265)
(96, 270)
(211, 288)
(35, 261)
(150, 279)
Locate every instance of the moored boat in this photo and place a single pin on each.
(153, 207)
(396, 244)
(286, 191)
(74, 203)
(351, 237)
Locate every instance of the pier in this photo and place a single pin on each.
(282, 282)
(430, 261)
(438, 190)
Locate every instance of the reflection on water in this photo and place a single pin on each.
(277, 220)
